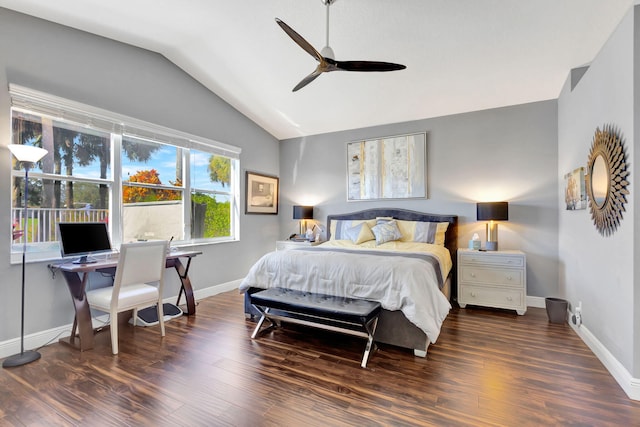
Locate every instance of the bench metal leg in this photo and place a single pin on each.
(261, 321)
(258, 326)
(367, 350)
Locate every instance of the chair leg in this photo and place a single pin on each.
(114, 332)
(161, 317)
(135, 316)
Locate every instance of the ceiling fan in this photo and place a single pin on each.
(326, 57)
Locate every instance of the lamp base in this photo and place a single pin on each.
(491, 246)
(21, 359)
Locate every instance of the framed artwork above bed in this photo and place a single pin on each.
(393, 167)
(261, 194)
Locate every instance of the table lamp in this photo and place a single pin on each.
(28, 155)
(303, 213)
(492, 212)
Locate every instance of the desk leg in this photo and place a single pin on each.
(186, 285)
(82, 320)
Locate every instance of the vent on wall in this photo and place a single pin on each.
(576, 75)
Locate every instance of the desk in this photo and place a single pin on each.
(76, 277)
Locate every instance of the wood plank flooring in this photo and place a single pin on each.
(487, 368)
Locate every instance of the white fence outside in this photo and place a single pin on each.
(157, 220)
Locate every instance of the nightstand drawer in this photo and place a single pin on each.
(492, 276)
(491, 259)
(493, 297)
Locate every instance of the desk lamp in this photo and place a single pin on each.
(303, 213)
(27, 155)
(492, 212)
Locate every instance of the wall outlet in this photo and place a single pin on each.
(576, 318)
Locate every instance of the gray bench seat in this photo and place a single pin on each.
(346, 315)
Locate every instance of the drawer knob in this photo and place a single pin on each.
(473, 274)
(509, 299)
(509, 278)
(473, 294)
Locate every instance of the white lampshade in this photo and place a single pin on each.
(27, 153)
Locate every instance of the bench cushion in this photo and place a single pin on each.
(338, 308)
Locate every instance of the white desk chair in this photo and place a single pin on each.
(138, 265)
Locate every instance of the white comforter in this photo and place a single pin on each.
(398, 283)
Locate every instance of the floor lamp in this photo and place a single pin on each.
(27, 155)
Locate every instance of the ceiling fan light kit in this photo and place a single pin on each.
(326, 57)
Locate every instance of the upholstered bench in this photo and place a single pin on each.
(346, 315)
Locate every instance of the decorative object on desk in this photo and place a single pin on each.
(492, 212)
(606, 179)
(261, 194)
(27, 155)
(393, 167)
(474, 243)
(575, 194)
(303, 213)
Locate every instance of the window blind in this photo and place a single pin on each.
(93, 117)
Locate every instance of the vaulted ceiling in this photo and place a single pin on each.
(461, 55)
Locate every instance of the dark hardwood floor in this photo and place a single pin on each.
(487, 368)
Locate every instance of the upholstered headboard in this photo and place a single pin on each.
(451, 236)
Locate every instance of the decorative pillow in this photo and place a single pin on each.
(360, 233)
(386, 232)
(383, 219)
(339, 228)
(424, 232)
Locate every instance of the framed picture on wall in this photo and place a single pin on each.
(575, 193)
(261, 194)
(392, 167)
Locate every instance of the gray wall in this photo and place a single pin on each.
(117, 77)
(597, 270)
(501, 154)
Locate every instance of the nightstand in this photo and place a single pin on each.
(492, 279)
(283, 245)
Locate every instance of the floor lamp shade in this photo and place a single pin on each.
(492, 212)
(302, 213)
(27, 155)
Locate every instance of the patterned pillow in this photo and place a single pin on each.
(386, 232)
(360, 233)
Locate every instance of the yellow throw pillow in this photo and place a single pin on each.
(360, 233)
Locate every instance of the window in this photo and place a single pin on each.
(211, 196)
(145, 181)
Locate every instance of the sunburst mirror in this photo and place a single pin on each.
(607, 179)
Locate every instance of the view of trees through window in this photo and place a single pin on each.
(74, 182)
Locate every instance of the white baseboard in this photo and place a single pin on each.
(537, 302)
(630, 385)
(42, 338)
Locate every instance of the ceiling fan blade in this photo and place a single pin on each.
(300, 40)
(368, 66)
(311, 77)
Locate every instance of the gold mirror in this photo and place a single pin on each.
(599, 181)
(607, 180)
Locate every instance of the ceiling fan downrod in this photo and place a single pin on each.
(326, 51)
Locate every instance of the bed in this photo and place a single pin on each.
(412, 275)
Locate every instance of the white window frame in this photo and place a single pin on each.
(61, 109)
